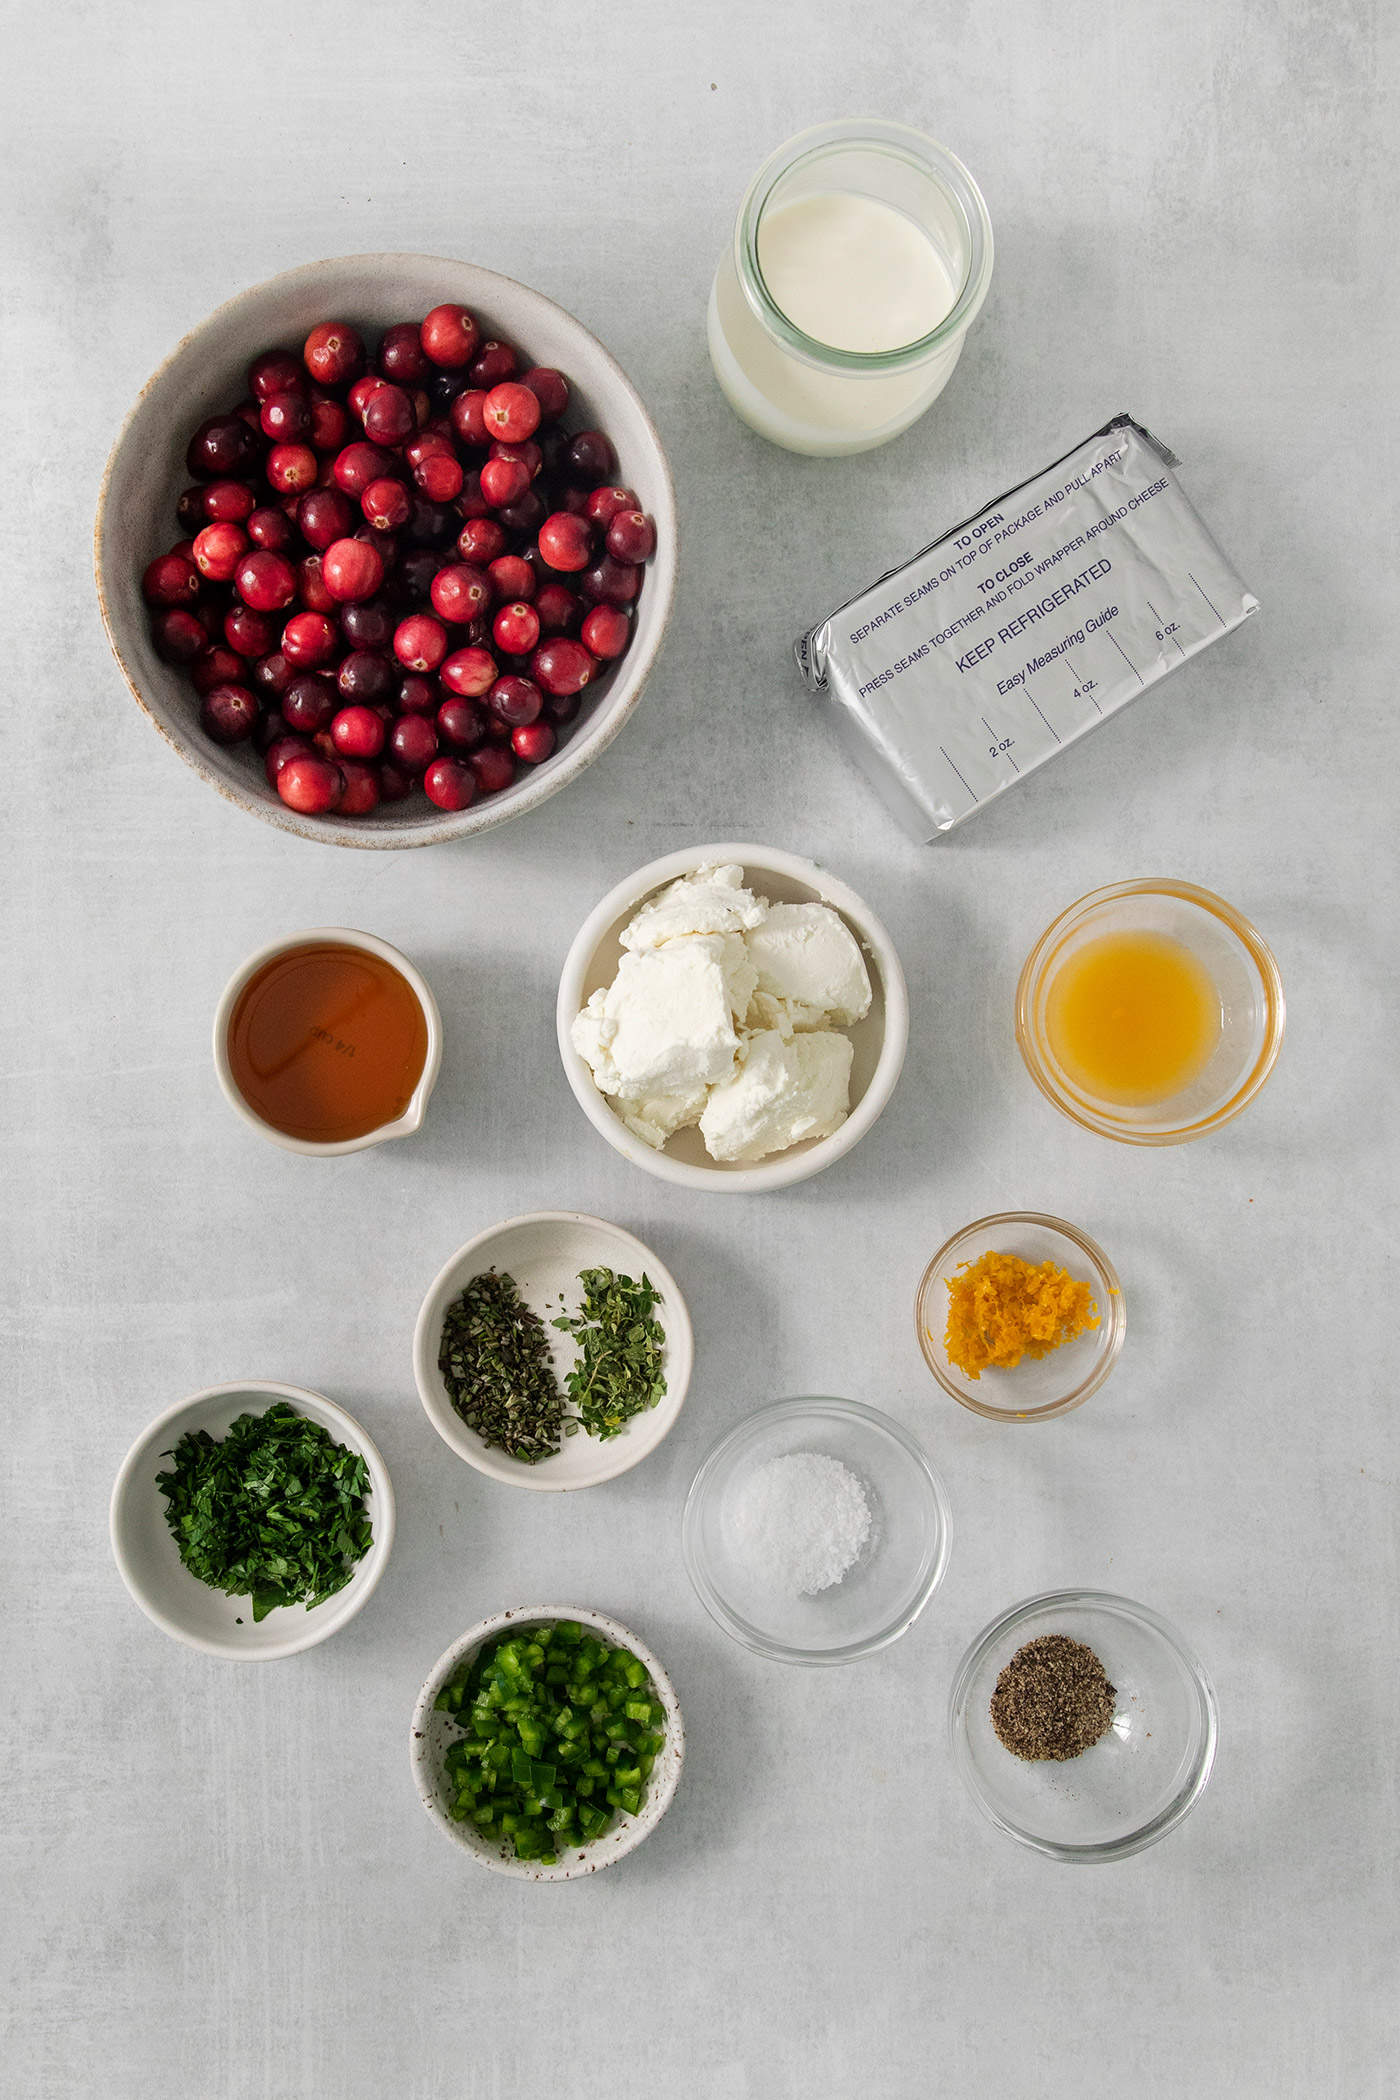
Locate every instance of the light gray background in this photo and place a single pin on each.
(219, 1880)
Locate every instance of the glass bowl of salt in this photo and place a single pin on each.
(816, 1531)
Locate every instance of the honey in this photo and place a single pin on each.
(1132, 1018)
(327, 1043)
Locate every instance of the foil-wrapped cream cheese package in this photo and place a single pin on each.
(1023, 628)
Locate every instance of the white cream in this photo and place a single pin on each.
(853, 272)
(665, 1025)
(712, 900)
(808, 960)
(782, 1091)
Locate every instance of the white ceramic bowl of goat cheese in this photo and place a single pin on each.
(771, 1071)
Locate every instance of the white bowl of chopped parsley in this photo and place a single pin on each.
(252, 1520)
(547, 1742)
(553, 1351)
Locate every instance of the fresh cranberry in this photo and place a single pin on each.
(512, 577)
(428, 444)
(401, 355)
(333, 353)
(389, 415)
(369, 625)
(359, 790)
(386, 504)
(610, 582)
(550, 389)
(460, 592)
(503, 481)
(562, 707)
(440, 477)
(330, 426)
(228, 713)
(420, 642)
(265, 581)
(493, 362)
(631, 537)
(359, 464)
(171, 579)
(221, 449)
(449, 336)
(468, 414)
(311, 586)
(562, 666)
(417, 571)
(217, 665)
(471, 503)
(363, 392)
(566, 541)
(494, 768)
(525, 450)
(429, 524)
(418, 695)
(266, 731)
(218, 549)
(558, 607)
(515, 701)
(227, 502)
(275, 372)
(279, 751)
(516, 628)
(461, 724)
(270, 673)
(190, 512)
(177, 636)
(481, 540)
(352, 570)
(357, 732)
(249, 632)
(413, 742)
(606, 632)
(532, 742)
(249, 413)
(366, 678)
(394, 784)
(526, 516)
(449, 783)
(469, 672)
(271, 529)
(324, 515)
(512, 412)
(575, 501)
(604, 504)
(590, 457)
(308, 705)
(286, 418)
(308, 783)
(310, 640)
(292, 468)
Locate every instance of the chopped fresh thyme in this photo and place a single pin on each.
(495, 1363)
(618, 1373)
(275, 1511)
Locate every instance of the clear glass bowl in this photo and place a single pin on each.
(1139, 1780)
(1038, 1387)
(900, 1566)
(1239, 964)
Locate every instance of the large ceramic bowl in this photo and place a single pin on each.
(146, 472)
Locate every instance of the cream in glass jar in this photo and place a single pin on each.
(861, 255)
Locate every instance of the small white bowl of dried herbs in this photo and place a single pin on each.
(553, 1351)
(252, 1520)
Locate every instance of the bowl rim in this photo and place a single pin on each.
(741, 1629)
(613, 1457)
(1113, 1318)
(342, 937)
(633, 1830)
(368, 1572)
(1100, 1120)
(546, 780)
(1187, 1795)
(783, 1169)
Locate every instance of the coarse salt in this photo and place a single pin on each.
(801, 1522)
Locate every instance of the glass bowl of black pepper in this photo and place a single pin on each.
(1083, 1726)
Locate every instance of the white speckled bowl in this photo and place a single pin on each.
(205, 372)
(879, 1040)
(432, 1733)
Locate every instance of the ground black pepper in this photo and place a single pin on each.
(1053, 1699)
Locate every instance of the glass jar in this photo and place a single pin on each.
(809, 395)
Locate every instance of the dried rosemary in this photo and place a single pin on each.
(496, 1366)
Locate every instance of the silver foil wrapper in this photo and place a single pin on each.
(1023, 628)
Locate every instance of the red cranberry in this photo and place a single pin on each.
(227, 502)
(268, 728)
(449, 336)
(504, 481)
(190, 511)
(221, 448)
(388, 415)
(352, 570)
(324, 515)
(310, 640)
(359, 464)
(228, 713)
(631, 537)
(308, 705)
(217, 666)
(418, 695)
(440, 477)
(292, 468)
(420, 642)
(279, 751)
(359, 792)
(526, 516)
(468, 414)
(248, 412)
(394, 784)
(610, 582)
(512, 412)
(357, 732)
(330, 426)
(493, 362)
(481, 540)
(266, 581)
(270, 673)
(271, 529)
(512, 577)
(562, 666)
(449, 783)
(590, 457)
(469, 672)
(575, 502)
(494, 768)
(333, 353)
(401, 354)
(286, 418)
(308, 783)
(171, 579)
(532, 742)
(516, 628)
(429, 524)
(363, 392)
(461, 724)
(459, 592)
(550, 389)
(604, 504)
(471, 503)
(311, 586)
(525, 450)
(562, 707)
(386, 504)
(250, 633)
(366, 678)
(275, 372)
(177, 636)
(566, 541)
(417, 571)
(559, 609)
(413, 742)
(606, 632)
(218, 549)
(369, 625)
(515, 701)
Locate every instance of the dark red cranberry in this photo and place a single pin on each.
(449, 336)
(357, 732)
(575, 501)
(511, 412)
(394, 784)
(566, 541)
(358, 465)
(333, 353)
(461, 724)
(250, 633)
(311, 586)
(493, 362)
(249, 412)
(610, 582)
(190, 512)
(388, 415)
(417, 572)
(271, 674)
(471, 503)
(532, 742)
(228, 502)
(275, 372)
(481, 540)
(413, 742)
(228, 713)
(562, 666)
(469, 672)
(550, 389)
(631, 537)
(352, 570)
(271, 529)
(503, 481)
(363, 392)
(449, 783)
(386, 504)
(292, 468)
(418, 695)
(384, 544)
(562, 707)
(217, 665)
(286, 418)
(367, 678)
(603, 504)
(429, 523)
(590, 457)
(558, 607)
(401, 355)
(171, 579)
(310, 784)
(606, 632)
(221, 448)
(460, 592)
(420, 642)
(369, 625)
(309, 705)
(330, 426)
(494, 768)
(516, 628)
(266, 581)
(267, 731)
(526, 516)
(324, 515)
(511, 576)
(515, 701)
(218, 549)
(279, 752)
(439, 477)
(359, 790)
(310, 641)
(177, 636)
(468, 414)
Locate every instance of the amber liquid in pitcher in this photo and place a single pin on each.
(327, 1043)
